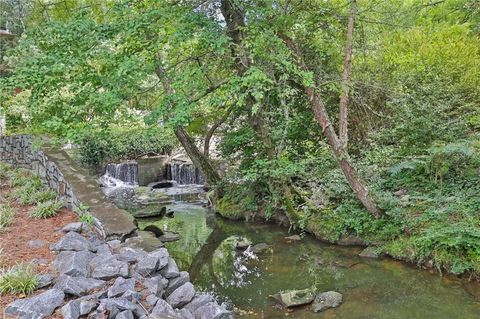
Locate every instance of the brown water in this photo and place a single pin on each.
(381, 288)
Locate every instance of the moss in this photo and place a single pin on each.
(228, 209)
(324, 225)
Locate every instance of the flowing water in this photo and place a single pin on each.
(381, 288)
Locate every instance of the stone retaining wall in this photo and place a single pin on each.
(17, 151)
(73, 183)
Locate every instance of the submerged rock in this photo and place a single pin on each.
(292, 298)
(370, 252)
(149, 211)
(326, 300)
(293, 238)
(260, 248)
(37, 307)
(169, 236)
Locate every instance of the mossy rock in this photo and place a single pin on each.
(229, 210)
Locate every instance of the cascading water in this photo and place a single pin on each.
(122, 174)
(184, 174)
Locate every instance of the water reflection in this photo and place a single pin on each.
(371, 288)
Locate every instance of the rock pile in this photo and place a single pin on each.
(109, 280)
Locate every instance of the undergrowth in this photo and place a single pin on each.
(46, 209)
(19, 279)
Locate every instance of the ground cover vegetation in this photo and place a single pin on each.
(20, 188)
(339, 117)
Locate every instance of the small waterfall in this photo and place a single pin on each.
(122, 174)
(184, 174)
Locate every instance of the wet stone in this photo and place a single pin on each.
(326, 300)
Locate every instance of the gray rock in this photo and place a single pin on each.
(114, 244)
(130, 255)
(75, 227)
(162, 310)
(45, 280)
(114, 306)
(37, 307)
(184, 313)
(110, 269)
(79, 307)
(171, 270)
(169, 236)
(77, 286)
(162, 254)
(131, 295)
(151, 300)
(293, 298)
(139, 311)
(73, 263)
(127, 314)
(36, 243)
(147, 265)
(259, 248)
(198, 301)
(212, 311)
(72, 241)
(103, 250)
(181, 296)
(120, 286)
(370, 252)
(156, 285)
(177, 282)
(145, 240)
(326, 300)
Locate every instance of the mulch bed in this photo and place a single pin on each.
(14, 241)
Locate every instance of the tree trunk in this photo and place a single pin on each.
(198, 159)
(321, 116)
(347, 69)
(211, 131)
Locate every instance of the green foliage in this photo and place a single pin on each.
(99, 147)
(46, 209)
(86, 218)
(26, 193)
(7, 214)
(19, 279)
(19, 177)
(4, 169)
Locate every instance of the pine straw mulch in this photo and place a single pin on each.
(14, 241)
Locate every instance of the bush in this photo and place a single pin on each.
(6, 216)
(20, 279)
(46, 209)
(98, 148)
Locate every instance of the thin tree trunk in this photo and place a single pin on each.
(347, 69)
(211, 131)
(322, 117)
(199, 160)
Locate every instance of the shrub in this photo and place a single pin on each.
(6, 216)
(20, 279)
(98, 148)
(46, 209)
(19, 177)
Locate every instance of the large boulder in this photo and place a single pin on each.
(73, 263)
(78, 286)
(73, 241)
(37, 307)
(293, 298)
(326, 300)
(181, 296)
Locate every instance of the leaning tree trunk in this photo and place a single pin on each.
(198, 158)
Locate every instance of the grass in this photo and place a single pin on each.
(86, 218)
(6, 216)
(4, 169)
(19, 279)
(19, 177)
(46, 209)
